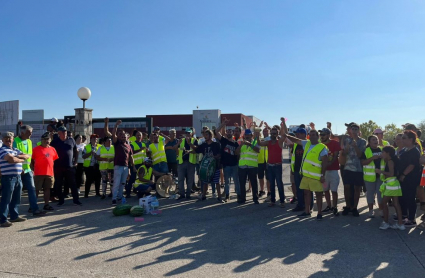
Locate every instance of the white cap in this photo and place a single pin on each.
(54, 120)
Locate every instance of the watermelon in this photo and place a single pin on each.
(121, 210)
(137, 211)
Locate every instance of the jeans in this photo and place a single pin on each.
(132, 179)
(186, 170)
(120, 177)
(79, 175)
(173, 168)
(67, 174)
(231, 171)
(107, 175)
(300, 192)
(11, 190)
(161, 167)
(28, 181)
(252, 174)
(275, 177)
(407, 200)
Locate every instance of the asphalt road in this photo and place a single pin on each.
(207, 239)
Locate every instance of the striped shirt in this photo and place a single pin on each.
(7, 168)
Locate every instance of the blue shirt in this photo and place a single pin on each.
(7, 168)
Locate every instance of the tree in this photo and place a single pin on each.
(367, 128)
(421, 127)
(391, 130)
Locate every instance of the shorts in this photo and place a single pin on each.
(216, 177)
(331, 180)
(262, 171)
(352, 178)
(43, 182)
(311, 184)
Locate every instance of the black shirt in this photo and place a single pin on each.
(212, 149)
(299, 152)
(228, 152)
(411, 157)
(65, 150)
(376, 151)
(187, 147)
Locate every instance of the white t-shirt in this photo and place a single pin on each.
(80, 149)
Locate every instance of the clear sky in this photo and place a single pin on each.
(319, 61)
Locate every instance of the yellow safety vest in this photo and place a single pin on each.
(39, 143)
(385, 143)
(87, 160)
(104, 153)
(263, 155)
(132, 139)
(192, 156)
(311, 166)
(140, 156)
(158, 155)
(420, 145)
(147, 176)
(392, 184)
(369, 174)
(248, 157)
(293, 157)
(20, 146)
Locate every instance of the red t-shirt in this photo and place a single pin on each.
(334, 148)
(44, 160)
(275, 153)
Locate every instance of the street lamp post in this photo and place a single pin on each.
(84, 94)
(83, 116)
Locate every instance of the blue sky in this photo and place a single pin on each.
(319, 61)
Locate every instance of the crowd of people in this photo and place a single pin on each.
(389, 175)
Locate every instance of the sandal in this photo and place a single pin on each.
(48, 207)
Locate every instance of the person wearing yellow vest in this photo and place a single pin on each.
(105, 156)
(262, 166)
(371, 160)
(133, 136)
(313, 169)
(186, 164)
(24, 144)
(144, 184)
(380, 134)
(91, 167)
(248, 166)
(157, 149)
(139, 155)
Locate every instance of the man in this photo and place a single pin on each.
(122, 161)
(66, 149)
(274, 162)
(139, 155)
(229, 158)
(313, 168)
(24, 144)
(42, 162)
(354, 147)
(187, 163)
(91, 166)
(213, 149)
(331, 175)
(157, 148)
(171, 153)
(11, 160)
(105, 156)
(248, 166)
(262, 166)
(380, 134)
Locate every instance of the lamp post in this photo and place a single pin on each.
(84, 94)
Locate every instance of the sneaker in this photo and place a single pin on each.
(261, 194)
(327, 210)
(114, 202)
(48, 207)
(19, 219)
(103, 197)
(293, 200)
(410, 224)
(220, 200)
(398, 227)
(39, 213)
(214, 195)
(6, 224)
(335, 211)
(297, 208)
(304, 214)
(78, 203)
(268, 199)
(319, 217)
(384, 226)
(181, 197)
(345, 211)
(371, 214)
(355, 212)
(60, 203)
(202, 198)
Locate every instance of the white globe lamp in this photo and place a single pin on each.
(84, 94)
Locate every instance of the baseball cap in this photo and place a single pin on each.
(248, 131)
(409, 127)
(62, 128)
(94, 136)
(8, 134)
(54, 120)
(45, 135)
(188, 130)
(378, 131)
(156, 128)
(302, 126)
(325, 131)
(350, 124)
(301, 130)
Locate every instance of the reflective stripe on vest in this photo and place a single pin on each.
(158, 155)
(20, 146)
(263, 155)
(369, 173)
(248, 157)
(140, 156)
(392, 183)
(192, 156)
(147, 176)
(311, 166)
(420, 145)
(293, 157)
(104, 153)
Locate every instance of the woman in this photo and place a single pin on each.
(410, 176)
(398, 144)
(80, 170)
(371, 161)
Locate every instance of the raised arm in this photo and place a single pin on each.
(283, 131)
(106, 128)
(220, 129)
(294, 139)
(114, 132)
